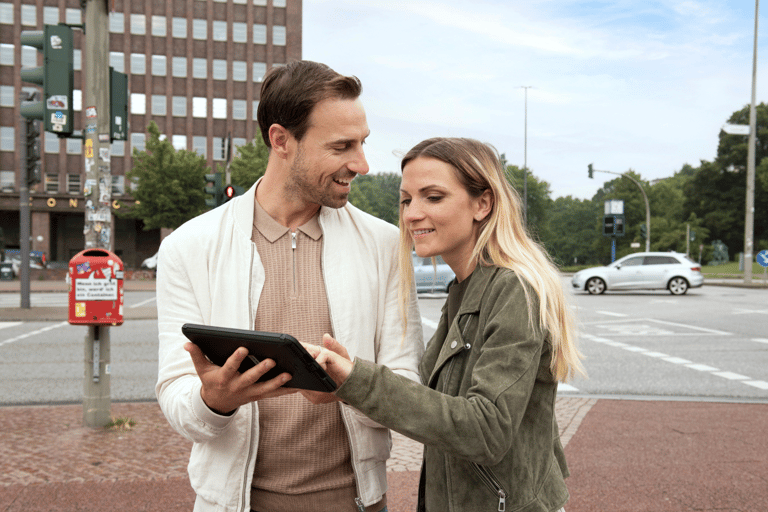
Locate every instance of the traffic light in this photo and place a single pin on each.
(33, 151)
(231, 191)
(643, 231)
(56, 76)
(214, 190)
(618, 223)
(590, 170)
(608, 225)
(118, 104)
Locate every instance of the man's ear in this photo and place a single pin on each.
(484, 205)
(278, 139)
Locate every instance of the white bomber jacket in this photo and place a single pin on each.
(209, 272)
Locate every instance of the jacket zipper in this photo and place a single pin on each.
(293, 258)
(488, 479)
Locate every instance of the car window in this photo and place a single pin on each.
(631, 262)
(655, 260)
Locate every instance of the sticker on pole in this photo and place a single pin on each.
(762, 258)
(95, 289)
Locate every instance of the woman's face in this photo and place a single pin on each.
(438, 213)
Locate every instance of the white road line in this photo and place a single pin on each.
(694, 327)
(703, 367)
(677, 360)
(760, 340)
(4, 325)
(142, 303)
(429, 323)
(33, 333)
(730, 375)
(566, 388)
(757, 383)
(610, 313)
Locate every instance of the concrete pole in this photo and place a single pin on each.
(98, 198)
(24, 213)
(749, 218)
(525, 160)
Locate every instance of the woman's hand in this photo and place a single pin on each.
(333, 357)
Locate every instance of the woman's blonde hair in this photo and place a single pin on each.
(503, 241)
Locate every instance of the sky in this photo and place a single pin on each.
(644, 85)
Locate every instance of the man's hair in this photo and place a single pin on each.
(290, 92)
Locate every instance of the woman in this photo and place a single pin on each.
(486, 411)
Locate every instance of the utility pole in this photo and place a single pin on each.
(98, 198)
(525, 159)
(749, 218)
(24, 213)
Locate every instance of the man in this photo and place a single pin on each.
(289, 256)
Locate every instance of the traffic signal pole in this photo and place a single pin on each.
(98, 228)
(24, 213)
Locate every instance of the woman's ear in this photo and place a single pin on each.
(483, 205)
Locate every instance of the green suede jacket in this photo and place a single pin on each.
(486, 411)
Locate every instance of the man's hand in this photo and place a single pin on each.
(225, 389)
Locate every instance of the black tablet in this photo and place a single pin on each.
(218, 343)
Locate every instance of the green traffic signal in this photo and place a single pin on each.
(214, 190)
(643, 231)
(56, 76)
(590, 170)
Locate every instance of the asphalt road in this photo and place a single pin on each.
(711, 344)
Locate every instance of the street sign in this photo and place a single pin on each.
(736, 129)
(762, 258)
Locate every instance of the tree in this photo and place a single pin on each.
(169, 184)
(377, 194)
(573, 228)
(539, 200)
(250, 163)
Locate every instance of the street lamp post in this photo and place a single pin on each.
(749, 216)
(525, 158)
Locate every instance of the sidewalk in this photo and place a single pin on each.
(624, 456)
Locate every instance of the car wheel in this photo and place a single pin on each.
(595, 286)
(678, 286)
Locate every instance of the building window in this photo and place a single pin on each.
(262, 3)
(259, 34)
(7, 178)
(73, 184)
(118, 185)
(200, 29)
(118, 148)
(29, 15)
(116, 22)
(74, 146)
(259, 70)
(278, 35)
(199, 107)
(138, 24)
(117, 61)
(77, 60)
(278, 3)
(219, 69)
(199, 145)
(158, 105)
(50, 15)
(6, 54)
(138, 142)
(28, 57)
(239, 71)
(219, 108)
(138, 103)
(199, 68)
(179, 106)
(6, 15)
(243, 2)
(179, 142)
(179, 67)
(52, 183)
(52, 143)
(239, 109)
(255, 108)
(219, 30)
(218, 147)
(7, 138)
(158, 26)
(7, 98)
(159, 64)
(179, 27)
(239, 32)
(74, 16)
(77, 100)
(138, 64)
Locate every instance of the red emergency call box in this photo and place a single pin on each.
(96, 288)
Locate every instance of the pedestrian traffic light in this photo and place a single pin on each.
(118, 104)
(618, 225)
(590, 170)
(214, 190)
(643, 231)
(231, 191)
(56, 76)
(33, 151)
(608, 225)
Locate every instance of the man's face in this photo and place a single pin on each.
(330, 154)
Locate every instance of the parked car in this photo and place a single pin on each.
(429, 277)
(150, 263)
(37, 259)
(642, 271)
